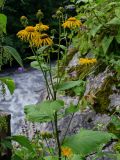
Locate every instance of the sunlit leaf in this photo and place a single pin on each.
(9, 83)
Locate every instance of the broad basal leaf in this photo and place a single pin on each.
(43, 112)
(87, 141)
(13, 52)
(9, 82)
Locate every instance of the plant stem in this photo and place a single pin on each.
(57, 136)
(50, 73)
(58, 65)
(70, 122)
(44, 74)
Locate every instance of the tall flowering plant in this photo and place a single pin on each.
(51, 110)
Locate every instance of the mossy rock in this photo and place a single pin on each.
(102, 96)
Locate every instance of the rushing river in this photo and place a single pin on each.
(29, 86)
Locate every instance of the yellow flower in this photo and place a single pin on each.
(27, 34)
(22, 35)
(36, 41)
(41, 27)
(83, 61)
(72, 23)
(46, 40)
(41, 40)
(67, 152)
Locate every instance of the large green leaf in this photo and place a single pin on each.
(13, 52)
(87, 141)
(3, 22)
(9, 82)
(44, 111)
(23, 141)
(70, 84)
(106, 43)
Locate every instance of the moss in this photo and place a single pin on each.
(102, 96)
(3, 123)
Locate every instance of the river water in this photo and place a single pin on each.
(29, 87)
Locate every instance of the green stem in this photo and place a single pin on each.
(70, 122)
(58, 65)
(44, 74)
(51, 79)
(57, 136)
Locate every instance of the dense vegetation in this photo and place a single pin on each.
(94, 36)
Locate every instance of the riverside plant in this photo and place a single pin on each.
(77, 146)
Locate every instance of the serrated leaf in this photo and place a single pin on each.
(44, 111)
(9, 83)
(13, 52)
(23, 141)
(3, 22)
(87, 141)
(106, 43)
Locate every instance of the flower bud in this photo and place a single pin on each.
(24, 21)
(39, 15)
(58, 13)
(61, 9)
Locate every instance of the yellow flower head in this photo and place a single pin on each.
(67, 152)
(85, 61)
(41, 27)
(36, 41)
(46, 40)
(22, 35)
(27, 34)
(72, 23)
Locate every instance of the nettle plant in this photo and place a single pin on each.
(101, 33)
(74, 147)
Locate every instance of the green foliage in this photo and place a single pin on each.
(22, 140)
(87, 141)
(3, 123)
(101, 31)
(13, 52)
(3, 22)
(69, 84)
(9, 83)
(44, 111)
